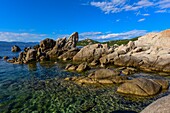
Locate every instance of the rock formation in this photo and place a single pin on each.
(47, 44)
(63, 45)
(150, 53)
(62, 48)
(15, 48)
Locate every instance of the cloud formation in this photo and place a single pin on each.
(142, 19)
(99, 36)
(116, 6)
(21, 37)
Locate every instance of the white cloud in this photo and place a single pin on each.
(163, 4)
(113, 6)
(22, 37)
(89, 35)
(161, 11)
(116, 6)
(146, 14)
(142, 19)
(99, 36)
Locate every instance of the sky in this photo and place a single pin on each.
(102, 20)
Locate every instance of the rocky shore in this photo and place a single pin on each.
(149, 53)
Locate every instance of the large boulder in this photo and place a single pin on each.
(104, 73)
(15, 48)
(31, 55)
(142, 87)
(90, 53)
(47, 44)
(159, 106)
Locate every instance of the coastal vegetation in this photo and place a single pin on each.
(110, 43)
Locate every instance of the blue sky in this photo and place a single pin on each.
(102, 20)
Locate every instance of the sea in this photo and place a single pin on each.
(40, 87)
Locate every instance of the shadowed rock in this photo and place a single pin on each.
(83, 67)
(31, 55)
(15, 48)
(47, 44)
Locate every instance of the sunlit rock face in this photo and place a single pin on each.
(150, 53)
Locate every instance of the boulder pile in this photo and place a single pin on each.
(48, 48)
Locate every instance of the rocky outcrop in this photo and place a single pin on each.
(47, 44)
(142, 87)
(63, 45)
(159, 106)
(72, 41)
(15, 48)
(31, 55)
(90, 53)
(150, 53)
(62, 48)
(101, 76)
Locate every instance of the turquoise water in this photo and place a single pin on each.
(40, 88)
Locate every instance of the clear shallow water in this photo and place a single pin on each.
(40, 87)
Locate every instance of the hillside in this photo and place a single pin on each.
(86, 42)
(110, 43)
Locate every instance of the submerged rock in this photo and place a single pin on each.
(101, 76)
(142, 87)
(15, 48)
(104, 74)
